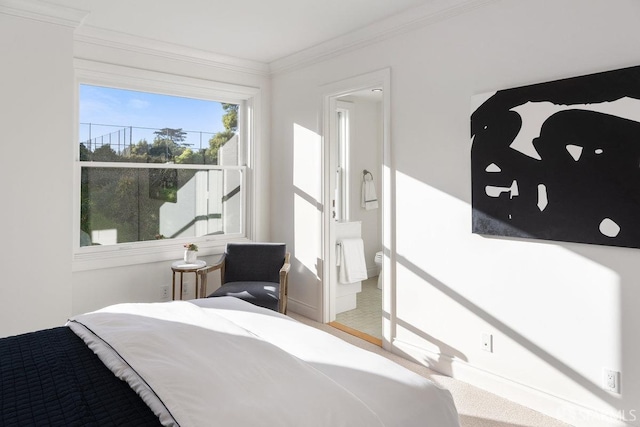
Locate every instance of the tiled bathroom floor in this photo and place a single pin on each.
(367, 316)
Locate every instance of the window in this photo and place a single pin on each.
(154, 167)
(341, 210)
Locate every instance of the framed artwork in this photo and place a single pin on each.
(559, 160)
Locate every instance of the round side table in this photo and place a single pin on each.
(184, 267)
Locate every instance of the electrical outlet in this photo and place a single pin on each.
(611, 380)
(164, 293)
(487, 342)
(185, 289)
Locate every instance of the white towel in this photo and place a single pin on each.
(369, 197)
(351, 263)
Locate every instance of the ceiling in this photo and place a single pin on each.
(257, 30)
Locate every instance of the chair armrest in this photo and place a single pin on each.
(214, 267)
(284, 283)
(203, 272)
(284, 270)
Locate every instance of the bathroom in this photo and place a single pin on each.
(360, 129)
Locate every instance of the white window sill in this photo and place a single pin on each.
(123, 255)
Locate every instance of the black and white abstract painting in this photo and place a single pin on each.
(559, 160)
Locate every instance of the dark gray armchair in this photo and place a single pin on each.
(255, 272)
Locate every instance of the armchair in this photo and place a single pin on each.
(255, 272)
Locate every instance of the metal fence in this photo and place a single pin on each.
(120, 138)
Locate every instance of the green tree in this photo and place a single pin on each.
(138, 153)
(175, 135)
(230, 119)
(189, 156)
(167, 144)
(105, 153)
(164, 150)
(217, 141)
(85, 154)
(230, 123)
(141, 148)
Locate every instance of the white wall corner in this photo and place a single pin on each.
(44, 12)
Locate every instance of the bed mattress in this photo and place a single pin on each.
(208, 362)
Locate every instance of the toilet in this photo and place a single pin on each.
(378, 261)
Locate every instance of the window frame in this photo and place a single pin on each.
(344, 112)
(121, 77)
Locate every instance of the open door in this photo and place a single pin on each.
(338, 192)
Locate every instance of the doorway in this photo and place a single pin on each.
(356, 151)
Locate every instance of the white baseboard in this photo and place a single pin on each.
(304, 309)
(553, 406)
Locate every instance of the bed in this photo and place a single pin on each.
(207, 362)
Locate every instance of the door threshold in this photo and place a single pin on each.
(357, 333)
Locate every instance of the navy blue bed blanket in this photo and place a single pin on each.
(51, 378)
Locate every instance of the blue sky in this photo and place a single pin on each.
(123, 108)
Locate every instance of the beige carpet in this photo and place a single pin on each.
(477, 408)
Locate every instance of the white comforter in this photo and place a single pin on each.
(224, 362)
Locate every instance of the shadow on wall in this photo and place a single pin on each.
(444, 348)
(507, 331)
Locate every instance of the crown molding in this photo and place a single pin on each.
(401, 23)
(44, 12)
(146, 46)
(404, 22)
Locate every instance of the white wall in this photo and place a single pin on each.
(41, 286)
(36, 106)
(558, 312)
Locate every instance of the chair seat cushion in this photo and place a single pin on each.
(263, 294)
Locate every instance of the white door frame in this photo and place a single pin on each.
(330, 93)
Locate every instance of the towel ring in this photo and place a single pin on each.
(365, 173)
